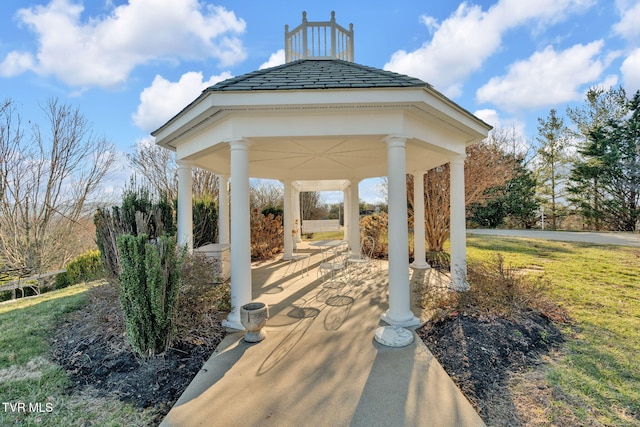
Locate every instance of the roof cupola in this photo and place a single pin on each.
(318, 40)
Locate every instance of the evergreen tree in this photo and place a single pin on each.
(521, 202)
(611, 157)
(600, 108)
(515, 201)
(553, 161)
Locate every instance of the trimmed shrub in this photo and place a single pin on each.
(149, 285)
(83, 268)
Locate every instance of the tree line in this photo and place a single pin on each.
(583, 166)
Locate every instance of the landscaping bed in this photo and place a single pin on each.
(92, 347)
(480, 353)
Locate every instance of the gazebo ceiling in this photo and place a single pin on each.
(320, 119)
(319, 158)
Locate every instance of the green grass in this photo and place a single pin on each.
(596, 375)
(28, 376)
(328, 235)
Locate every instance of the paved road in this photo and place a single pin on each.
(621, 239)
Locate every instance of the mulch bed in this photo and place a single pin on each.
(92, 347)
(478, 352)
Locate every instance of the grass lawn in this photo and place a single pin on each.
(34, 390)
(595, 379)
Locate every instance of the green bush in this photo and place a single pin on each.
(205, 221)
(83, 268)
(149, 284)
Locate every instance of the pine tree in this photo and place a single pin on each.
(553, 161)
(601, 107)
(611, 158)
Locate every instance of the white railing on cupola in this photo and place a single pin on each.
(318, 40)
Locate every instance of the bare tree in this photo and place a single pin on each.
(266, 193)
(158, 168)
(486, 166)
(47, 182)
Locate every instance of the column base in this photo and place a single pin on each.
(406, 320)
(420, 266)
(459, 286)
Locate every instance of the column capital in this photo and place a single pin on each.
(460, 158)
(184, 163)
(239, 143)
(395, 140)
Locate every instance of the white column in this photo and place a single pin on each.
(240, 232)
(399, 312)
(354, 216)
(185, 205)
(223, 209)
(288, 221)
(296, 214)
(346, 212)
(419, 254)
(458, 233)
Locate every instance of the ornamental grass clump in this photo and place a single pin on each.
(149, 286)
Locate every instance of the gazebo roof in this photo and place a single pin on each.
(317, 74)
(315, 119)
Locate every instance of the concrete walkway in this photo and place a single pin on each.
(320, 365)
(610, 238)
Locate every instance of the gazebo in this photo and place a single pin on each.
(322, 121)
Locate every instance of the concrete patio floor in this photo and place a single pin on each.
(320, 365)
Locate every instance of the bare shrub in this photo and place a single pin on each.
(203, 302)
(500, 290)
(267, 236)
(495, 290)
(377, 227)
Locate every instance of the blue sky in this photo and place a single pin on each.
(131, 65)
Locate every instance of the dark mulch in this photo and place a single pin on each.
(92, 347)
(479, 352)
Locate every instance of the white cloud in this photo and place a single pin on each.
(276, 58)
(164, 99)
(464, 41)
(629, 25)
(102, 51)
(512, 132)
(489, 116)
(16, 63)
(631, 72)
(430, 22)
(548, 77)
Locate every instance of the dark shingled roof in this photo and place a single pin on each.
(317, 74)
